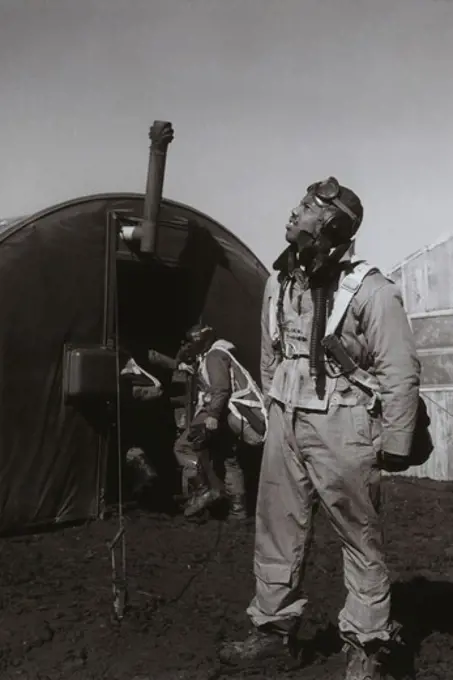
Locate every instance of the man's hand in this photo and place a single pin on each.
(390, 462)
(186, 368)
(211, 423)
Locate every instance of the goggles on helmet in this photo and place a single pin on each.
(327, 192)
(198, 332)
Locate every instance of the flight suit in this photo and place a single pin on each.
(322, 444)
(213, 402)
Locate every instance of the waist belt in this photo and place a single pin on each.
(290, 352)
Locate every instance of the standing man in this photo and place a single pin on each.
(230, 411)
(329, 435)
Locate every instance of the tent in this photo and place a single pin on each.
(56, 294)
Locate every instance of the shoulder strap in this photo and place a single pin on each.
(251, 387)
(274, 288)
(346, 291)
(250, 395)
(203, 369)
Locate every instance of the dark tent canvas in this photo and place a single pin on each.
(53, 284)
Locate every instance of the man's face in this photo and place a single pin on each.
(305, 217)
(200, 340)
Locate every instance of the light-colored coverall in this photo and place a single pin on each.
(213, 400)
(326, 448)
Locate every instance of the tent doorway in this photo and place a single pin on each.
(154, 312)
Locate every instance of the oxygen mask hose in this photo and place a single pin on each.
(318, 329)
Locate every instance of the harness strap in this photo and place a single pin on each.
(246, 402)
(276, 309)
(346, 291)
(238, 397)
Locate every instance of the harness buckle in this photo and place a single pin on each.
(374, 407)
(290, 350)
(351, 284)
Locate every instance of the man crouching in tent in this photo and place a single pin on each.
(139, 389)
(230, 411)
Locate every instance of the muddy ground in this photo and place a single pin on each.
(189, 585)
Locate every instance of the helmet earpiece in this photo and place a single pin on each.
(343, 211)
(340, 216)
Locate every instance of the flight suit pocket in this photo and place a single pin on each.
(274, 574)
(365, 429)
(360, 426)
(361, 420)
(360, 447)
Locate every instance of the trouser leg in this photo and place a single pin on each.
(193, 450)
(194, 447)
(234, 477)
(339, 454)
(235, 488)
(187, 459)
(232, 470)
(284, 520)
(207, 469)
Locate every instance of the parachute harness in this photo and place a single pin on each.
(318, 324)
(250, 395)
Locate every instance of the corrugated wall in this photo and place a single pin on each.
(426, 282)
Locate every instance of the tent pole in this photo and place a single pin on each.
(111, 247)
(108, 340)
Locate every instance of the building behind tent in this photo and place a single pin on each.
(426, 282)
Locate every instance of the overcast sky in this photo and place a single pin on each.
(266, 96)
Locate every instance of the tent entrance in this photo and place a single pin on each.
(150, 300)
(153, 313)
(147, 305)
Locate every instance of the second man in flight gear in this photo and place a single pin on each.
(230, 410)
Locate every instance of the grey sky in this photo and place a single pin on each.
(266, 96)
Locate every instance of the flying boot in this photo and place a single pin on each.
(371, 660)
(262, 643)
(203, 498)
(362, 663)
(237, 508)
